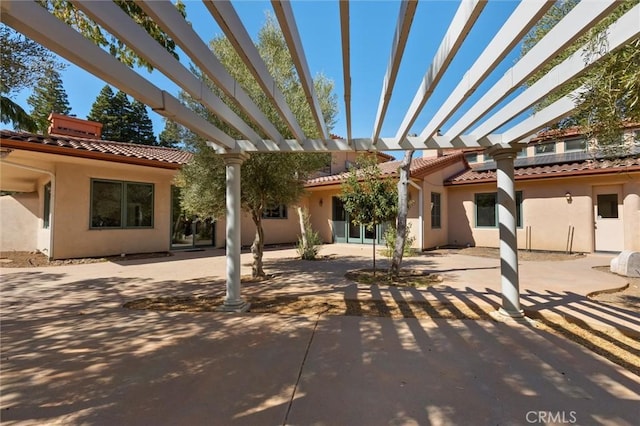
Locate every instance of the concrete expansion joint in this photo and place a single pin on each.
(304, 360)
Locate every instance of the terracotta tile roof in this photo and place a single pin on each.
(575, 168)
(153, 156)
(419, 167)
(555, 134)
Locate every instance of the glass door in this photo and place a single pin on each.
(189, 232)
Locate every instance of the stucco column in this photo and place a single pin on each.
(631, 215)
(508, 237)
(233, 302)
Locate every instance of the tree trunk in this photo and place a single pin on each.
(374, 252)
(303, 230)
(403, 211)
(257, 248)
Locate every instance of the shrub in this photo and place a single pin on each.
(390, 241)
(308, 251)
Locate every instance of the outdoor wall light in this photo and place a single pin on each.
(4, 152)
(568, 197)
(320, 202)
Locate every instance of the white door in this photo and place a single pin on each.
(609, 230)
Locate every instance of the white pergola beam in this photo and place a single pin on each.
(284, 14)
(523, 18)
(165, 14)
(401, 35)
(230, 23)
(579, 20)
(462, 22)
(111, 17)
(38, 24)
(346, 62)
(556, 111)
(617, 35)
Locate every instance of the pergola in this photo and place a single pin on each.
(38, 24)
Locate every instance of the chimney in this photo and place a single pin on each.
(71, 126)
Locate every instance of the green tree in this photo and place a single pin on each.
(141, 125)
(613, 85)
(369, 197)
(48, 96)
(66, 12)
(23, 63)
(121, 130)
(122, 120)
(102, 111)
(268, 179)
(172, 135)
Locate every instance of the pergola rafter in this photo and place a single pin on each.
(230, 23)
(401, 35)
(169, 19)
(576, 23)
(467, 14)
(523, 18)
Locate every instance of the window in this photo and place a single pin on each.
(522, 153)
(472, 158)
(435, 210)
(487, 209)
(275, 212)
(607, 206)
(46, 213)
(546, 148)
(575, 145)
(116, 204)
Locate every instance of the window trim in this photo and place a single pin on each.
(584, 149)
(46, 210)
(123, 204)
(535, 152)
(282, 210)
(519, 214)
(439, 212)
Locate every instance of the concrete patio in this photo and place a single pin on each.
(72, 355)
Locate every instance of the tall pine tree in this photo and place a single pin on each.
(141, 124)
(47, 97)
(121, 107)
(172, 135)
(102, 111)
(122, 121)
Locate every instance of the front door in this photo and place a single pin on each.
(609, 230)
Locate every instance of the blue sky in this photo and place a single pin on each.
(372, 27)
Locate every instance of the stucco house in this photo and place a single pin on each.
(567, 198)
(70, 194)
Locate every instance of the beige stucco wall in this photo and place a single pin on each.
(19, 222)
(546, 213)
(434, 237)
(276, 231)
(74, 238)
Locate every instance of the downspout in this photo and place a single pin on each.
(420, 212)
(51, 201)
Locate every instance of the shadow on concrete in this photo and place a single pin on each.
(72, 355)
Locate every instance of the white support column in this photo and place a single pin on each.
(508, 239)
(232, 301)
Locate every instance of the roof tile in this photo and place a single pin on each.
(122, 149)
(589, 166)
